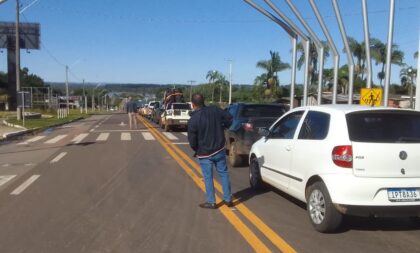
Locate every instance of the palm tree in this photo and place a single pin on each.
(379, 55)
(313, 58)
(359, 52)
(407, 75)
(273, 66)
(212, 76)
(221, 82)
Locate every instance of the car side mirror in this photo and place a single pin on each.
(264, 132)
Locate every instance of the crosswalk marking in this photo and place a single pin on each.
(79, 138)
(170, 136)
(125, 136)
(148, 136)
(55, 139)
(25, 185)
(103, 137)
(6, 178)
(34, 139)
(58, 158)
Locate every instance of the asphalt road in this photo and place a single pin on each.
(96, 186)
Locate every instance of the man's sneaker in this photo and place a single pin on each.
(208, 205)
(228, 203)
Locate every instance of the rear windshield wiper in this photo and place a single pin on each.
(409, 139)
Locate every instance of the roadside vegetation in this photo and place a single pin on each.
(48, 119)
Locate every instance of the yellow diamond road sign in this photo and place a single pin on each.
(372, 97)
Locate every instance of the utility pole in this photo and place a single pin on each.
(17, 52)
(191, 85)
(230, 81)
(67, 89)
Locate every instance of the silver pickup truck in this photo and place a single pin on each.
(175, 115)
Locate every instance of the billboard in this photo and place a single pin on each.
(29, 34)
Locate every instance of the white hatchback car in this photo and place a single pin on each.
(343, 159)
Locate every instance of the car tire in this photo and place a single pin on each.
(234, 159)
(415, 220)
(323, 215)
(255, 180)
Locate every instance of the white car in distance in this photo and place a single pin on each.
(343, 160)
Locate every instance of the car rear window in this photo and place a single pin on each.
(262, 111)
(181, 106)
(390, 126)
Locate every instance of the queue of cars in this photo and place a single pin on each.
(338, 159)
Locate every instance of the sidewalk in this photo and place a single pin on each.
(6, 131)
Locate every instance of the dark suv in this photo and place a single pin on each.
(247, 119)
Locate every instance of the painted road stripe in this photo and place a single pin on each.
(180, 143)
(177, 154)
(148, 136)
(34, 139)
(55, 139)
(170, 136)
(25, 185)
(5, 179)
(103, 137)
(185, 133)
(125, 136)
(58, 158)
(236, 222)
(79, 138)
(126, 130)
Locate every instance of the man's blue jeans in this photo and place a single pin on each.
(219, 161)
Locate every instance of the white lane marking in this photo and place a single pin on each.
(34, 139)
(125, 136)
(25, 185)
(79, 138)
(170, 136)
(5, 179)
(6, 165)
(185, 133)
(103, 137)
(180, 143)
(148, 136)
(112, 131)
(58, 158)
(56, 139)
(91, 130)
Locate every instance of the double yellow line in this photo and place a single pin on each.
(182, 159)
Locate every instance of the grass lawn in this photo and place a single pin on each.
(46, 122)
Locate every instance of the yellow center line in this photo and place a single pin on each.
(243, 229)
(279, 242)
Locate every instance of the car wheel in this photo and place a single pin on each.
(415, 220)
(255, 180)
(322, 213)
(234, 159)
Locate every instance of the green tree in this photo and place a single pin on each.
(407, 76)
(212, 76)
(379, 55)
(313, 58)
(272, 67)
(416, 55)
(30, 80)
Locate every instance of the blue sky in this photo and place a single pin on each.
(167, 41)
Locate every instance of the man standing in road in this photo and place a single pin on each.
(206, 138)
(132, 112)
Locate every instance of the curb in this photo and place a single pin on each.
(9, 136)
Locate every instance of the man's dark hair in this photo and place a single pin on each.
(198, 100)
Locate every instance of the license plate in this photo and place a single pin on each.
(182, 121)
(402, 195)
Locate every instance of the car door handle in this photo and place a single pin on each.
(288, 148)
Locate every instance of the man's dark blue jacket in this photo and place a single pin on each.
(206, 130)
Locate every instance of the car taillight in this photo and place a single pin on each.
(343, 156)
(248, 127)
